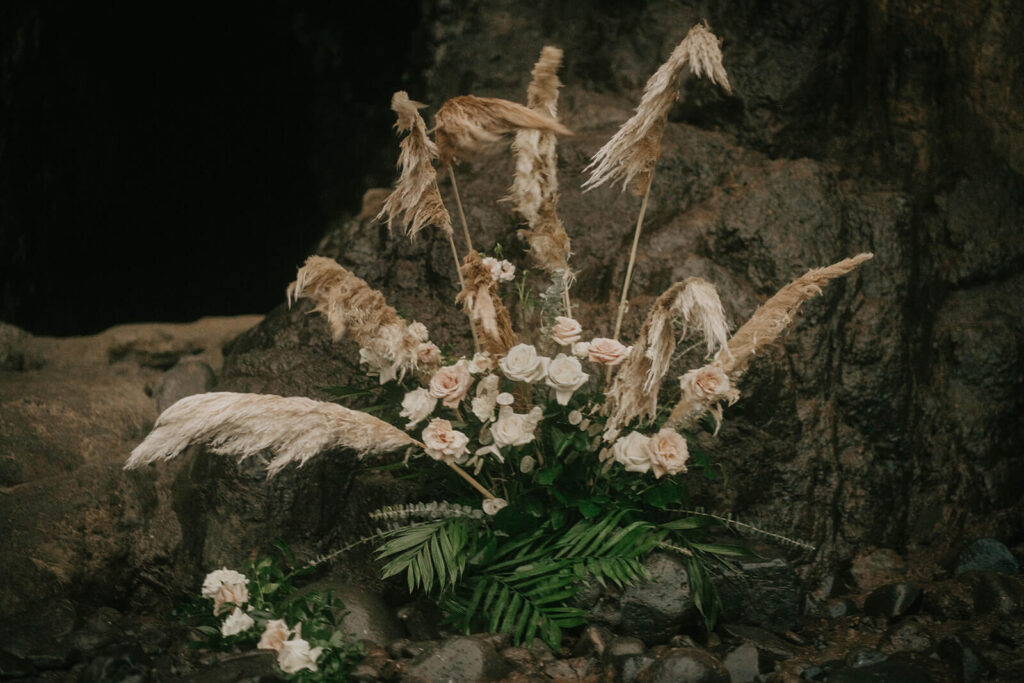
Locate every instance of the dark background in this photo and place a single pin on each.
(161, 162)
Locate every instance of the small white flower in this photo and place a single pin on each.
(236, 622)
(526, 464)
(417, 405)
(515, 429)
(275, 634)
(575, 418)
(565, 376)
(566, 331)
(501, 271)
(296, 655)
(493, 505)
(486, 397)
(444, 443)
(505, 399)
(225, 585)
(633, 452)
(522, 364)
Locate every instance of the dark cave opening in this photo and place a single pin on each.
(166, 164)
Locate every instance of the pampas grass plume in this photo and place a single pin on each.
(295, 429)
(482, 303)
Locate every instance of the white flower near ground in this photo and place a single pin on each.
(668, 453)
(565, 376)
(486, 398)
(236, 622)
(492, 506)
(633, 452)
(225, 585)
(566, 331)
(522, 364)
(706, 385)
(607, 351)
(444, 443)
(296, 655)
(451, 384)
(515, 429)
(501, 271)
(417, 405)
(275, 634)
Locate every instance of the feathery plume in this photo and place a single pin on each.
(763, 328)
(482, 303)
(470, 126)
(353, 307)
(294, 428)
(634, 393)
(415, 201)
(632, 152)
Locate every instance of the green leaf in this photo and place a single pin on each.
(588, 508)
(546, 476)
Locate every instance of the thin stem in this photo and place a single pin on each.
(632, 257)
(462, 287)
(472, 482)
(458, 203)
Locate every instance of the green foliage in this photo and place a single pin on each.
(430, 553)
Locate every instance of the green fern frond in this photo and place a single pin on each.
(400, 515)
(739, 527)
(428, 553)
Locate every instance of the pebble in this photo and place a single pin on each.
(986, 554)
(893, 601)
(685, 664)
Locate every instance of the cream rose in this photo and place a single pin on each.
(607, 351)
(223, 586)
(522, 364)
(486, 398)
(515, 429)
(501, 271)
(236, 622)
(296, 655)
(275, 634)
(668, 453)
(444, 443)
(706, 385)
(566, 331)
(428, 355)
(633, 452)
(481, 362)
(565, 376)
(450, 384)
(417, 405)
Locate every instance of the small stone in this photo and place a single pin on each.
(889, 671)
(631, 667)
(461, 659)
(520, 659)
(986, 554)
(995, 593)
(593, 641)
(576, 668)
(364, 673)
(187, 378)
(623, 647)
(420, 620)
(1009, 632)
(657, 609)
(909, 637)
(395, 647)
(864, 656)
(838, 607)
(813, 673)
(248, 667)
(765, 641)
(769, 595)
(685, 664)
(744, 663)
(893, 601)
(962, 653)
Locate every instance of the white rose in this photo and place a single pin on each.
(444, 443)
(607, 351)
(515, 429)
(296, 655)
(566, 331)
(428, 355)
(706, 385)
(486, 397)
(565, 375)
(236, 622)
(632, 451)
(417, 405)
(491, 506)
(275, 633)
(501, 271)
(481, 362)
(581, 349)
(225, 585)
(419, 330)
(522, 364)
(450, 384)
(668, 453)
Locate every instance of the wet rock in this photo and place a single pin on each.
(657, 609)
(875, 568)
(864, 656)
(630, 668)
(766, 641)
(986, 554)
(12, 666)
(420, 620)
(42, 635)
(364, 673)
(622, 647)
(123, 662)
(838, 607)
(893, 601)
(960, 651)
(765, 593)
(685, 664)
(187, 378)
(592, 641)
(949, 600)
(366, 616)
(994, 593)
(461, 659)
(102, 628)
(575, 668)
(891, 671)
(520, 659)
(746, 663)
(1009, 632)
(911, 636)
(246, 667)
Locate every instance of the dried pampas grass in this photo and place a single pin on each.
(633, 151)
(470, 126)
(764, 328)
(295, 429)
(353, 307)
(482, 303)
(415, 201)
(634, 393)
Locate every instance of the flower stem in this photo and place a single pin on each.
(458, 203)
(632, 258)
(472, 482)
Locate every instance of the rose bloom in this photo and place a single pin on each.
(566, 331)
(522, 364)
(236, 622)
(633, 452)
(486, 398)
(444, 443)
(428, 355)
(225, 585)
(481, 362)
(607, 351)
(565, 376)
(296, 655)
(501, 271)
(515, 429)
(274, 635)
(492, 506)
(450, 384)
(708, 384)
(668, 453)
(417, 406)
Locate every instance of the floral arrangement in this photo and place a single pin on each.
(577, 454)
